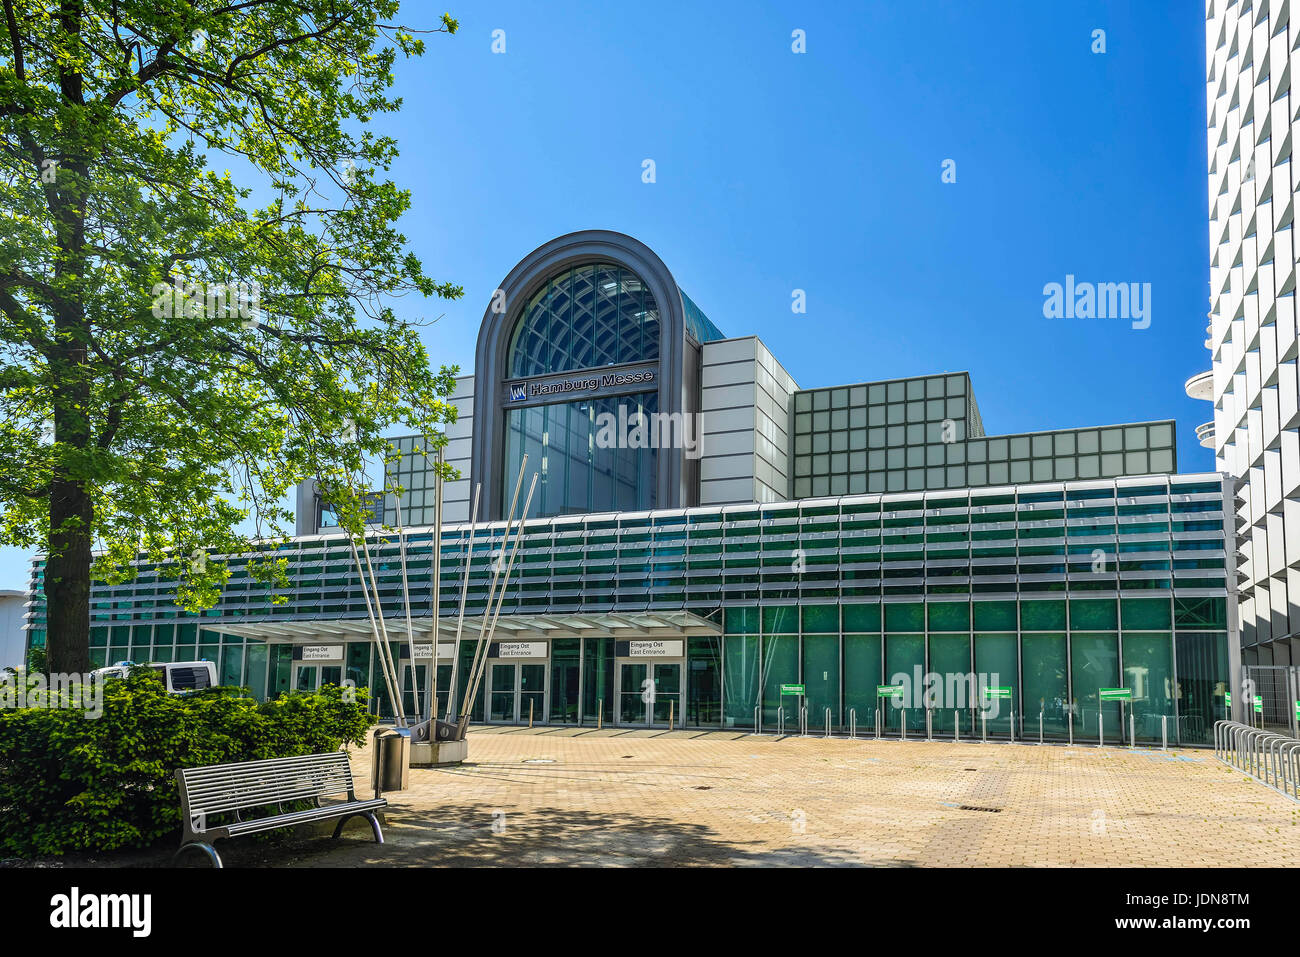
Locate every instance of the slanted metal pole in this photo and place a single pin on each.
(406, 603)
(460, 618)
(386, 649)
(432, 708)
(384, 667)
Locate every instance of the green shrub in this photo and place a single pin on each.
(72, 783)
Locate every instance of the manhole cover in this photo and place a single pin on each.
(704, 787)
(972, 807)
(539, 760)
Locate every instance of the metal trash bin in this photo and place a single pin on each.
(390, 764)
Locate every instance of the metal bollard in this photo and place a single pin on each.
(1132, 728)
(1164, 732)
(1069, 719)
(1101, 731)
(1040, 727)
(984, 728)
(600, 711)
(780, 721)
(1011, 726)
(929, 726)
(758, 726)
(828, 722)
(902, 723)
(803, 721)
(853, 723)
(671, 703)
(956, 725)
(530, 712)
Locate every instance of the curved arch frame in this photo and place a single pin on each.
(497, 329)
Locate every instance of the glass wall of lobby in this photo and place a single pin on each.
(1053, 655)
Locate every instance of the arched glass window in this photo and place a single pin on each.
(585, 317)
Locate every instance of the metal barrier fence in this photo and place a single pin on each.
(1268, 757)
(1274, 690)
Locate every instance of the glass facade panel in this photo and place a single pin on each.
(1094, 664)
(598, 679)
(950, 698)
(905, 664)
(1148, 673)
(580, 468)
(997, 666)
(780, 666)
(1046, 674)
(821, 678)
(565, 675)
(741, 684)
(704, 681)
(1202, 668)
(583, 318)
(861, 676)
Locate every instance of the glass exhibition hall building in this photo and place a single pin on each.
(779, 557)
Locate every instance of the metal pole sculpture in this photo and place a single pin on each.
(480, 648)
(472, 688)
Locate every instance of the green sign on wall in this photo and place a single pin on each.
(1115, 694)
(889, 691)
(997, 692)
(791, 689)
(1259, 704)
(1227, 699)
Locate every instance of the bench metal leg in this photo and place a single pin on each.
(374, 825)
(206, 848)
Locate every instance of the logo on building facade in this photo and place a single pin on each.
(587, 384)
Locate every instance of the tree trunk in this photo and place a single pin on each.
(67, 579)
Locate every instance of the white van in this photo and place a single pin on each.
(177, 676)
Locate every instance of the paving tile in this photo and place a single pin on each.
(653, 798)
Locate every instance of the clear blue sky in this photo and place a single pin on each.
(821, 171)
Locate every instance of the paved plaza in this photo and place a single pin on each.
(647, 798)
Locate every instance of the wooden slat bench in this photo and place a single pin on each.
(232, 789)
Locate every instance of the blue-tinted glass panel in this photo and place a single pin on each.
(587, 317)
(578, 471)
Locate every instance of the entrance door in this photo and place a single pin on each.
(516, 692)
(306, 677)
(311, 677)
(650, 693)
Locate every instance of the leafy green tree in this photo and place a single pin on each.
(180, 345)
